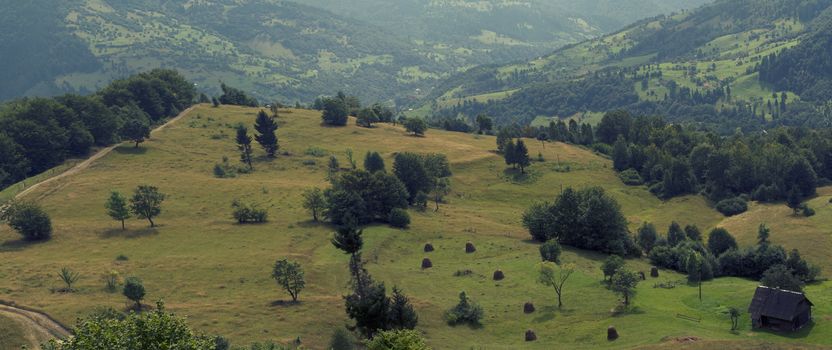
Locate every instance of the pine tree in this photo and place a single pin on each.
(401, 314)
(508, 153)
(266, 136)
(521, 156)
(244, 145)
(117, 208)
(373, 162)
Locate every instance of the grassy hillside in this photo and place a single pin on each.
(218, 273)
(670, 65)
(276, 49)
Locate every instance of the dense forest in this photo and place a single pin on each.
(807, 68)
(39, 133)
(785, 163)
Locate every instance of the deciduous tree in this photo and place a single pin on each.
(147, 203)
(117, 208)
(555, 276)
(289, 276)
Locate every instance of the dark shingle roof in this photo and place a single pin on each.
(776, 303)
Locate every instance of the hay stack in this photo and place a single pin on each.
(428, 247)
(612, 334)
(498, 275)
(530, 336)
(426, 264)
(654, 272)
(469, 248)
(528, 308)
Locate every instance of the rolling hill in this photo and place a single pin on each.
(702, 65)
(217, 272)
(279, 49)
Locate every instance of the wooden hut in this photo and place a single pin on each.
(779, 310)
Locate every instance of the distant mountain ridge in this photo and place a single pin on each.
(701, 66)
(275, 49)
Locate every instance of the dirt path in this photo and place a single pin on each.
(98, 155)
(37, 327)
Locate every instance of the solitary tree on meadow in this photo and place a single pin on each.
(134, 290)
(117, 208)
(521, 155)
(266, 135)
(289, 276)
(315, 202)
(624, 283)
(366, 117)
(611, 265)
(136, 131)
(147, 203)
(555, 276)
(244, 145)
(416, 126)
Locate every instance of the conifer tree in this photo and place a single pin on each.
(266, 136)
(521, 156)
(244, 145)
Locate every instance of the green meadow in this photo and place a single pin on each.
(217, 273)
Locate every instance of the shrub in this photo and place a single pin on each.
(732, 206)
(399, 218)
(29, 220)
(780, 276)
(465, 312)
(111, 278)
(134, 290)
(631, 177)
(398, 339)
(224, 170)
(248, 213)
(315, 152)
(550, 251)
(602, 148)
(807, 210)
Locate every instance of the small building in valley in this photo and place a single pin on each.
(779, 310)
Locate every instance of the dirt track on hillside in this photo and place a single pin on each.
(98, 155)
(37, 327)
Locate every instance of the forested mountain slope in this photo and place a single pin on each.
(498, 30)
(703, 65)
(273, 48)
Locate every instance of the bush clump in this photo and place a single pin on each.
(466, 312)
(399, 218)
(732, 206)
(224, 170)
(631, 177)
(248, 213)
(29, 220)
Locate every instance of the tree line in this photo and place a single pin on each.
(772, 165)
(37, 134)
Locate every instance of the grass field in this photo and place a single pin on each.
(11, 335)
(218, 273)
